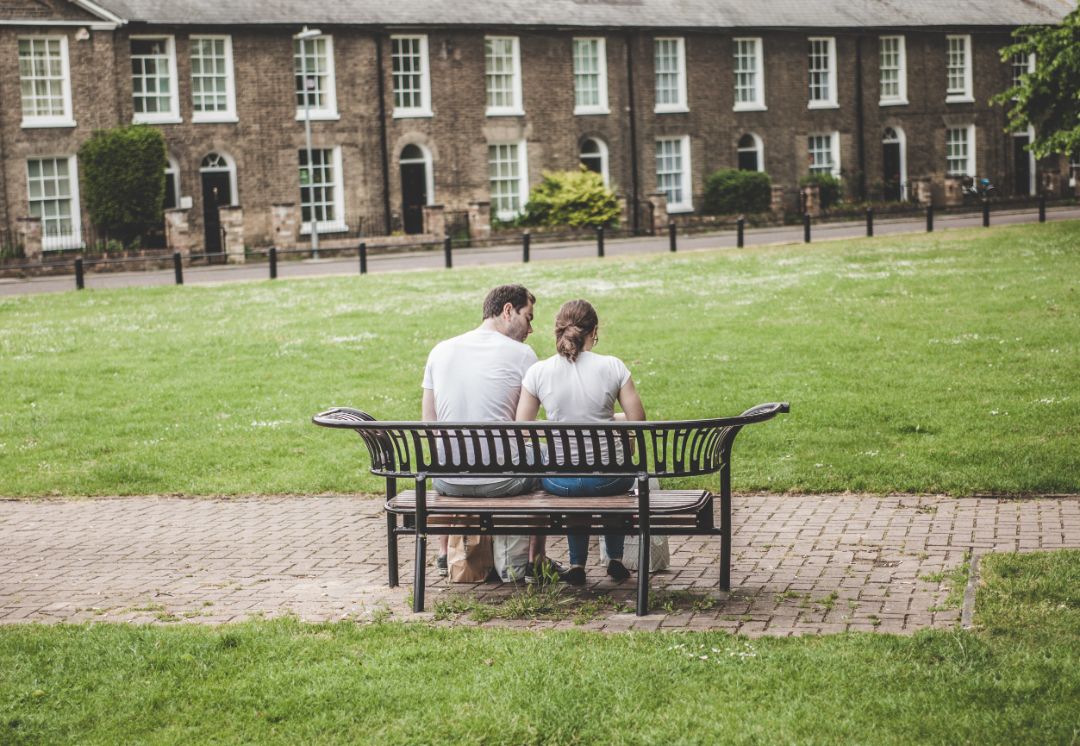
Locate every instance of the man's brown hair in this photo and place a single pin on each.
(497, 299)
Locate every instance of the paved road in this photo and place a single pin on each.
(801, 564)
(404, 261)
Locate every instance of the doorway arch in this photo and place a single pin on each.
(417, 186)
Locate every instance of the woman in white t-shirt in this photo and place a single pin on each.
(578, 385)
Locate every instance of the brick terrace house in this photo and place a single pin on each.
(464, 104)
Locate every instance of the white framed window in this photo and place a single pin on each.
(172, 183)
(321, 194)
(892, 58)
(822, 67)
(594, 156)
(313, 72)
(213, 89)
(411, 79)
(673, 172)
(590, 76)
(749, 75)
(1021, 65)
(502, 75)
(824, 152)
(669, 56)
(53, 194)
(751, 153)
(958, 69)
(45, 81)
(508, 179)
(960, 151)
(153, 80)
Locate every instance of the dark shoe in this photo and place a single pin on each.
(574, 576)
(543, 571)
(440, 565)
(617, 570)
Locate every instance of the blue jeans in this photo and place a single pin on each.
(589, 487)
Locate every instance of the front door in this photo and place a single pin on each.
(1021, 165)
(216, 191)
(413, 196)
(890, 176)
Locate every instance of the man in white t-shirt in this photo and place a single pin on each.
(476, 377)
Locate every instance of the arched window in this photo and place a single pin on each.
(594, 156)
(751, 153)
(221, 163)
(172, 184)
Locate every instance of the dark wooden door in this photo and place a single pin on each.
(1021, 166)
(413, 196)
(890, 171)
(216, 191)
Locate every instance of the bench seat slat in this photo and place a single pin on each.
(660, 502)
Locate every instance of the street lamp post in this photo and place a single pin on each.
(308, 87)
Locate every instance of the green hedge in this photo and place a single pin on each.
(731, 191)
(830, 188)
(123, 181)
(571, 198)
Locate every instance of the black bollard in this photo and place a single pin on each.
(740, 226)
(600, 241)
(178, 268)
(869, 222)
(1042, 208)
(526, 239)
(929, 218)
(272, 256)
(447, 250)
(806, 227)
(80, 281)
(363, 258)
(671, 236)
(986, 213)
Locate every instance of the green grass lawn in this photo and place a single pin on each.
(944, 362)
(1014, 681)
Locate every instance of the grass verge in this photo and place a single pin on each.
(1016, 680)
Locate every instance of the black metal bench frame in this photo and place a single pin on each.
(662, 450)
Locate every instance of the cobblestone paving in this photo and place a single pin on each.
(802, 564)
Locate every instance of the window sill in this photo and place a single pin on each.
(318, 115)
(679, 109)
(504, 113)
(412, 114)
(30, 124)
(823, 105)
(167, 119)
(219, 119)
(893, 102)
(585, 111)
(957, 99)
(750, 107)
(677, 209)
(324, 228)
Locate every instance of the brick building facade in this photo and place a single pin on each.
(461, 114)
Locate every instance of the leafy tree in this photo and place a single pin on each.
(123, 180)
(574, 198)
(730, 191)
(1048, 98)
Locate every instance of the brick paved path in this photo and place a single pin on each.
(801, 564)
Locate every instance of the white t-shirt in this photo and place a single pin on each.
(476, 377)
(581, 391)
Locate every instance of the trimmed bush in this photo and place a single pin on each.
(732, 191)
(829, 187)
(123, 181)
(571, 198)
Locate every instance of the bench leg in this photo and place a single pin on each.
(725, 537)
(391, 548)
(644, 542)
(418, 582)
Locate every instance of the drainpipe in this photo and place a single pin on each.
(632, 113)
(860, 119)
(379, 36)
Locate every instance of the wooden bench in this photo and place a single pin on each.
(420, 451)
